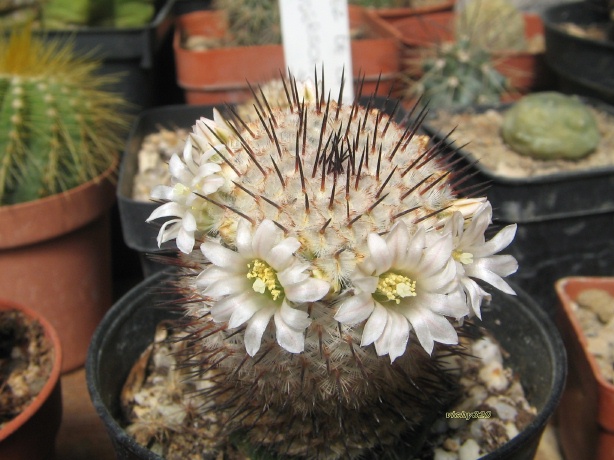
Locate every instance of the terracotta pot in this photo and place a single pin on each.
(526, 71)
(399, 13)
(55, 256)
(586, 413)
(31, 435)
(221, 74)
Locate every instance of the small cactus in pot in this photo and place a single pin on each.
(327, 265)
(60, 127)
(550, 125)
(454, 74)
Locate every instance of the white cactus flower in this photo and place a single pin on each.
(262, 279)
(405, 283)
(190, 177)
(476, 258)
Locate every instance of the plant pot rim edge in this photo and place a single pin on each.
(54, 377)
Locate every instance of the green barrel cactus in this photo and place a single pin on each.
(251, 22)
(550, 125)
(327, 263)
(59, 128)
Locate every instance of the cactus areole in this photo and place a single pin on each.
(327, 264)
(59, 127)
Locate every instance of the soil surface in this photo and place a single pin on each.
(595, 312)
(162, 413)
(26, 359)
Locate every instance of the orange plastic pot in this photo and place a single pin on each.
(55, 256)
(31, 435)
(526, 71)
(586, 412)
(220, 75)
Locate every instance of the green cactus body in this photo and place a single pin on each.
(550, 126)
(493, 25)
(59, 127)
(319, 270)
(457, 74)
(251, 22)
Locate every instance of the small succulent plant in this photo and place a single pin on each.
(493, 25)
(551, 125)
(60, 127)
(455, 74)
(327, 264)
(251, 22)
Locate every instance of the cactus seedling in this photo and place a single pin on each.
(60, 128)
(455, 75)
(251, 22)
(327, 265)
(493, 25)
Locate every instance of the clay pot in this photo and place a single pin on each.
(55, 256)
(32, 434)
(586, 412)
(399, 13)
(221, 74)
(526, 71)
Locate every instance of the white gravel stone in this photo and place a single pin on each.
(486, 350)
(470, 450)
(442, 454)
(493, 376)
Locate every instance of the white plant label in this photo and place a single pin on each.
(316, 36)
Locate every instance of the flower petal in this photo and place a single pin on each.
(222, 310)
(227, 285)
(309, 290)
(244, 239)
(355, 309)
(375, 325)
(264, 239)
(282, 254)
(380, 255)
(170, 209)
(296, 319)
(250, 305)
(289, 338)
(255, 329)
(223, 257)
(499, 242)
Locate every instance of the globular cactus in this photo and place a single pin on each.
(455, 75)
(251, 22)
(550, 125)
(59, 127)
(327, 263)
(493, 25)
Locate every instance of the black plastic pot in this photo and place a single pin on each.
(564, 220)
(139, 235)
(583, 65)
(536, 354)
(139, 56)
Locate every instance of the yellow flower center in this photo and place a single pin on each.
(181, 189)
(395, 287)
(464, 258)
(265, 279)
